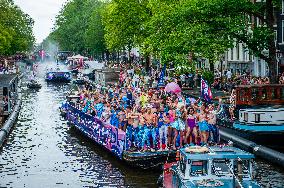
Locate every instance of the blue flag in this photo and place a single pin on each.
(206, 93)
(161, 82)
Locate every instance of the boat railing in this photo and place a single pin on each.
(260, 94)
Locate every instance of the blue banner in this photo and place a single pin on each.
(161, 82)
(104, 134)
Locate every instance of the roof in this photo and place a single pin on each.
(217, 152)
(260, 86)
(6, 79)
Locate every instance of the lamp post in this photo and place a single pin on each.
(221, 61)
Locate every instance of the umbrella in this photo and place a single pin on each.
(173, 88)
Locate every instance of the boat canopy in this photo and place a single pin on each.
(78, 57)
(253, 95)
(217, 152)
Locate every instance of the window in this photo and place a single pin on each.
(242, 168)
(246, 117)
(257, 118)
(182, 164)
(282, 6)
(282, 31)
(199, 168)
(221, 167)
(238, 51)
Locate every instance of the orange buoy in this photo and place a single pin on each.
(177, 155)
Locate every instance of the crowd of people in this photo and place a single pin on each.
(8, 68)
(152, 118)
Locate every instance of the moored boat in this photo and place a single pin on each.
(33, 84)
(259, 114)
(210, 167)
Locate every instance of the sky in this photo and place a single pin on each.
(43, 12)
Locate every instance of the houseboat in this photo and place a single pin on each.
(216, 166)
(8, 93)
(259, 114)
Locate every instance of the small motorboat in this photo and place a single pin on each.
(33, 84)
(216, 166)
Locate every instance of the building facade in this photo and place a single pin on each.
(238, 59)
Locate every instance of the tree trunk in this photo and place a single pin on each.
(272, 62)
(107, 55)
(129, 58)
(211, 64)
(117, 58)
(147, 65)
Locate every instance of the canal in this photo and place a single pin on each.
(42, 151)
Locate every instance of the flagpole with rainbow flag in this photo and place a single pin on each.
(206, 92)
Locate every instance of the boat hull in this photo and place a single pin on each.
(266, 138)
(146, 160)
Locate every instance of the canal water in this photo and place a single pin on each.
(43, 151)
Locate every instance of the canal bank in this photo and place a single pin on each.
(10, 115)
(43, 150)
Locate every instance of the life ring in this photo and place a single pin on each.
(50, 76)
(210, 183)
(196, 149)
(66, 75)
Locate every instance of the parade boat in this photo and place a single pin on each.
(216, 166)
(113, 139)
(259, 114)
(58, 75)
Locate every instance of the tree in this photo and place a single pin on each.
(94, 35)
(16, 33)
(124, 24)
(175, 34)
(224, 20)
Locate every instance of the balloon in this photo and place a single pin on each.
(172, 88)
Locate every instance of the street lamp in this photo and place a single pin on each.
(221, 61)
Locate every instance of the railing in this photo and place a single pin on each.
(108, 136)
(260, 95)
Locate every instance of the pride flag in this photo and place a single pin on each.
(206, 93)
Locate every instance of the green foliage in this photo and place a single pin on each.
(208, 76)
(124, 23)
(177, 31)
(16, 33)
(94, 36)
(78, 27)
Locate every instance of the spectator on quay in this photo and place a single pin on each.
(281, 79)
(232, 106)
(229, 74)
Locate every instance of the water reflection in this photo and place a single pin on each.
(43, 151)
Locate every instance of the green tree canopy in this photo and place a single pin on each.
(16, 33)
